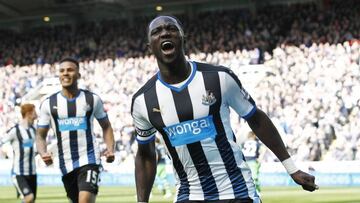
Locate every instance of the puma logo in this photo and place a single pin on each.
(156, 110)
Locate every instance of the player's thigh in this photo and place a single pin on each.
(71, 185)
(88, 178)
(32, 182)
(86, 197)
(22, 185)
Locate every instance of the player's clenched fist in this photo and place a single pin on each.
(110, 157)
(46, 157)
(307, 181)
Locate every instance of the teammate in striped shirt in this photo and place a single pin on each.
(251, 151)
(70, 113)
(188, 103)
(21, 137)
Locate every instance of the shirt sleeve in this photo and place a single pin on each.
(145, 131)
(99, 111)
(237, 97)
(9, 136)
(44, 117)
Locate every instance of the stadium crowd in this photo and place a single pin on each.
(228, 30)
(312, 91)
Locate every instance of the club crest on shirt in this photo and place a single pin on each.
(208, 99)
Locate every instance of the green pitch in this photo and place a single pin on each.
(127, 194)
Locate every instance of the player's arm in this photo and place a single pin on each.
(240, 100)
(41, 132)
(9, 136)
(41, 146)
(108, 135)
(145, 159)
(265, 130)
(145, 170)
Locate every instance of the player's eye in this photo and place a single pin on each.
(173, 28)
(155, 31)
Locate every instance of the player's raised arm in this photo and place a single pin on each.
(265, 130)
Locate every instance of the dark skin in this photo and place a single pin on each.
(69, 75)
(172, 65)
(174, 69)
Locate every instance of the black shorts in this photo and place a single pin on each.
(25, 185)
(219, 201)
(84, 178)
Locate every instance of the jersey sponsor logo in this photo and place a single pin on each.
(208, 99)
(28, 143)
(72, 123)
(191, 131)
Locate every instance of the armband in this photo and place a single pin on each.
(289, 165)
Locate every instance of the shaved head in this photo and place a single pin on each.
(164, 19)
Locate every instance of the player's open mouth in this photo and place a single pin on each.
(167, 47)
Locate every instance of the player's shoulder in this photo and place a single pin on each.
(148, 85)
(51, 95)
(95, 96)
(206, 67)
(88, 92)
(12, 129)
(47, 99)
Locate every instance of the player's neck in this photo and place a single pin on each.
(175, 73)
(70, 93)
(25, 123)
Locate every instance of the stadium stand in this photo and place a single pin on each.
(312, 53)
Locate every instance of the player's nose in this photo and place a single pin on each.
(164, 33)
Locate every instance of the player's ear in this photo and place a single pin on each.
(148, 47)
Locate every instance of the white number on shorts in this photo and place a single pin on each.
(92, 177)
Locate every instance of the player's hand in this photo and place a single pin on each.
(46, 157)
(307, 181)
(110, 157)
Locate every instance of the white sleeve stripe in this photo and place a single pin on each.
(248, 115)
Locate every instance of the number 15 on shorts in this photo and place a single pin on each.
(92, 177)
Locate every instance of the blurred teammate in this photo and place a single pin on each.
(161, 179)
(251, 151)
(188, 103)
(21, 137)
(70, 113)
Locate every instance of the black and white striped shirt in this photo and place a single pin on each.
(22, 141)
(193, 118)
(72, 122)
